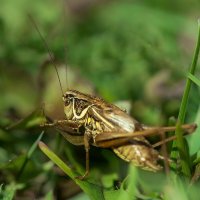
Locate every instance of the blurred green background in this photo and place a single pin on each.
(133, 52)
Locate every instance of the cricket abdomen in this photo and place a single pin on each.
(140, 155)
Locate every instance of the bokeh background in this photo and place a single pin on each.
(135, 53)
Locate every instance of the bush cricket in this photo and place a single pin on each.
(89, 120)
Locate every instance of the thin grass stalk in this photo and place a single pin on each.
(183, 151)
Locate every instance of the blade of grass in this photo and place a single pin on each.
(195, 138)
(9, 191)
(94, 191)
(34, 146)
(57, 160)
(132, 182)
(183, 151)
(194, 79)
(29, 154)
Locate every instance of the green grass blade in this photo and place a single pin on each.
(8, 193)
(132, 182)
(183, 151)
(194, 79)
(94, 191)
(195, 138)
(57, 161)
(34, 146)
(29, 154)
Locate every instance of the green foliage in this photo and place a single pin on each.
(9, 191)
(113, 48)
(183, 151)
(136, 51)
(94, 190)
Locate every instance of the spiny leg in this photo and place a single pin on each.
(111, 139)
(58, 122)
(165, 154)
(54, 123)
(87, 161)
(86, 142)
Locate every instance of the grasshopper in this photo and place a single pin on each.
(90, 120)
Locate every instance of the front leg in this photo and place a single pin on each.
(64, 123)
(56, 123)
(86, 139)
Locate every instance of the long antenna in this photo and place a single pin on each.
(65, 42)
(48, 49)
(66, 74)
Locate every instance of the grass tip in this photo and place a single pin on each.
(42, 145)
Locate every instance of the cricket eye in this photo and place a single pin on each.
(67, 102)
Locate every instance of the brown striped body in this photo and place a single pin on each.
(96, 116)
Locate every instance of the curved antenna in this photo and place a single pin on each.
(67, 71)
(48, 49)
(65, 42)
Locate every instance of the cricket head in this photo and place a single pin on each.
(76, 104)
